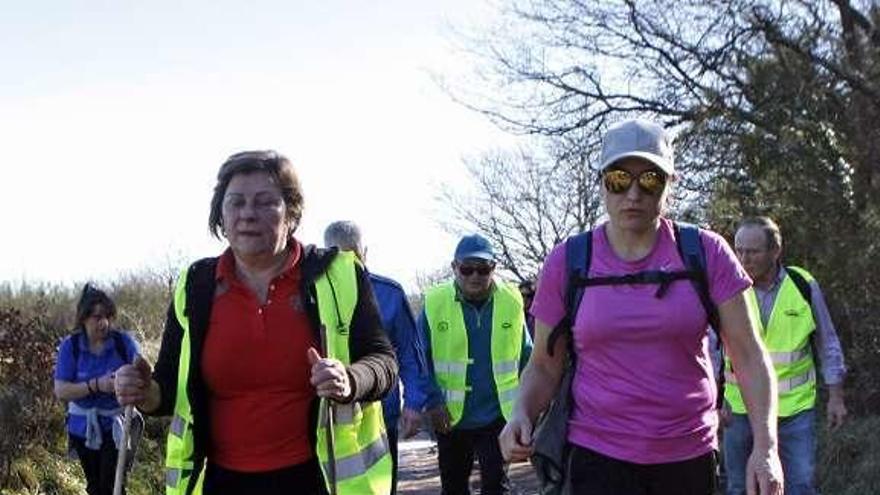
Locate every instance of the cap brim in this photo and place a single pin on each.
(481, 255)
(664, 164)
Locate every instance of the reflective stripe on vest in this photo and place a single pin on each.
(360, 463)
(790, 357)
(179, 449)
(449, 345)
(447, 367)
(344, 414)
(783, 385)
(787, 339)
(511, 366)
(361, 459)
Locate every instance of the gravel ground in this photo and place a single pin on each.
(420, 474)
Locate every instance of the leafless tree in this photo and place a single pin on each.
(776, 104)
(525, 205)
(564, 68)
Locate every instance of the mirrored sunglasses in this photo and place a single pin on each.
(619, 181)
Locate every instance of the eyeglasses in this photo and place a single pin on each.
(262, 203)
(482, 270)
(618, 181)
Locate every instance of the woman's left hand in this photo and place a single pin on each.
(329, 377)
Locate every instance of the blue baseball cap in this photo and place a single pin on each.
(474, 246)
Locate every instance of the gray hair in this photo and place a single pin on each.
(771, 230)
(345, 235)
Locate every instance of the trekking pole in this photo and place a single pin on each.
(329, 411)
(119, 481)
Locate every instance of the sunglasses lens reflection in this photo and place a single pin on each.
(652, 182)
(619, 181)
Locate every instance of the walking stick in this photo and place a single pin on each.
(329, 411)
(119, 481)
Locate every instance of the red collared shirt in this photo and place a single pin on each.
(256, 369)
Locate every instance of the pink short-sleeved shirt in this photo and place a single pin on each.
(643, 390)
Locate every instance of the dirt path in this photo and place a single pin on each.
(420, 475)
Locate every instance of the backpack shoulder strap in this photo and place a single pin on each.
(578, 254)
(801, 283)
(119, 345)
(690, 248)
(74, 346)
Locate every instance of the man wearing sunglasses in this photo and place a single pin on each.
(476, 344)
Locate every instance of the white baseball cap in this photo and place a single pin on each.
(640, 139)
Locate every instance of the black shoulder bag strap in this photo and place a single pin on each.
(801, 283)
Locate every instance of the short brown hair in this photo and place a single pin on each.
(771, 230)
(247, 162)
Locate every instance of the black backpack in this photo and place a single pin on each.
(578, 256)
(550, 452)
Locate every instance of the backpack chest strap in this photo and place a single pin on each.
(649, 277)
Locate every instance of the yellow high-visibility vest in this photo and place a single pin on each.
(787, 339)
(361, 457)
(360, 444)
(449, 345)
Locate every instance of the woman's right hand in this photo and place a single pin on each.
(516, 438)
(133, 382)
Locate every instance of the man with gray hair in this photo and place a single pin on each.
(398, 322)
(797, 330)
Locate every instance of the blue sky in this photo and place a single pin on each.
(115, 116)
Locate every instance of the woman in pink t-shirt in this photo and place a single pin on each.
(643, 394)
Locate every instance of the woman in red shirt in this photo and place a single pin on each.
(254, 331)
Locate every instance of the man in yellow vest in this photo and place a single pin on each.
(794, 324)
(476, 345)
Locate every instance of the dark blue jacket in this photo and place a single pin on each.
(397, 320)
